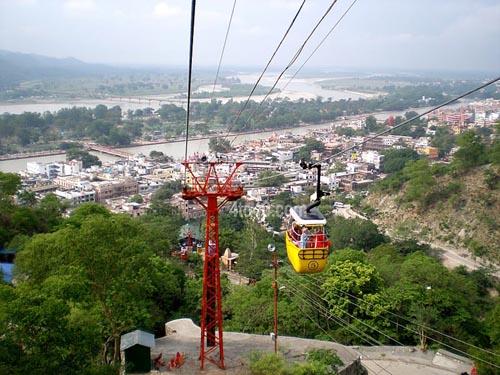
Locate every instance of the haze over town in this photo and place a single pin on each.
(386, 34)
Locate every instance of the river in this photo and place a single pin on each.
(173, 149)
(299, 88)
(176, 149)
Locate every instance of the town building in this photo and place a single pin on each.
(76, 197)
(115, 188)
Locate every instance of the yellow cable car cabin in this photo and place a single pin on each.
(307, 244)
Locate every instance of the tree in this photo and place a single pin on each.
(494, 152)
(354, 233)
(395, 159)
(28, 219)
(115, 276)
(267, 363)
(250, 309)
(471, 152)
(283, 199)
(347, 132)
(172, 113)
(387, 261)
(160, 201)
(349, 280)
(118, 137)
(160, 156)
(371, 125)
(275, 220)
(47, 331)
(271, 178)
(420, 179)
(137, 198)
(85, 157)
(310, 144)
(444, 140)
(9, 183)
(251, 245)
(220, 145)
(436, 297)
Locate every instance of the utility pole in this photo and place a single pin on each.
(272, 249)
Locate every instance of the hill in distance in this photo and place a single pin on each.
(17, 67)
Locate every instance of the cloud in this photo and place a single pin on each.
(80, 6)
(164, 10)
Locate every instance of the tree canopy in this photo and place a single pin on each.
(80, 288)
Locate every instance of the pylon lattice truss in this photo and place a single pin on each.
(211, 191)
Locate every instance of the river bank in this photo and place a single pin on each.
(175, 147)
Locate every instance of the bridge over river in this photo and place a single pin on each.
(109, 150)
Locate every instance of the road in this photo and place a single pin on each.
(347, 212)
(451, 256)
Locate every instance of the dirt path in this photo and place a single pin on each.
(451, 256)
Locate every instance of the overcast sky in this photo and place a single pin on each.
(376, 34)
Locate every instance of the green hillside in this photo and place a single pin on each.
(461, 211)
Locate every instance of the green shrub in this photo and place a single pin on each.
(491, 179)
(326, 357)
(266, 364)
(476, 248)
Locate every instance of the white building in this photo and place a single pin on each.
(372, 157)
(284, 155)
(77, 197)
(52, 170)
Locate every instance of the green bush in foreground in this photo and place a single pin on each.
(318, 362)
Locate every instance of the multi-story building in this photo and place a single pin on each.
(189, 209)
(77, 197)
(52, 170)
(116, 188)
(373, 157)
(72, 183)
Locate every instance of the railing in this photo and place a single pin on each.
(313, 253)
(314, 240)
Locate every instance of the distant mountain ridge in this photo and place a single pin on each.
(16, 67)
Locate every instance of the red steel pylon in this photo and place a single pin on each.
(211, 192)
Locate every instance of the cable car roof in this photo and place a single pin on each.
(302, 217)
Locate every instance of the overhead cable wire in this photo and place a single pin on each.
(387, 131)
(190, 71)
(353, 317)
(290, 63)
(319, 45)
(329, 316)
(223, 47)
(408, 320)
(412, 119)
(428, 337)
(265, 69)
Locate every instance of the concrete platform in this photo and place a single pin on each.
(184, 336)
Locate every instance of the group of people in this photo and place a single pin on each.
(175, 362)
(307, 238)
